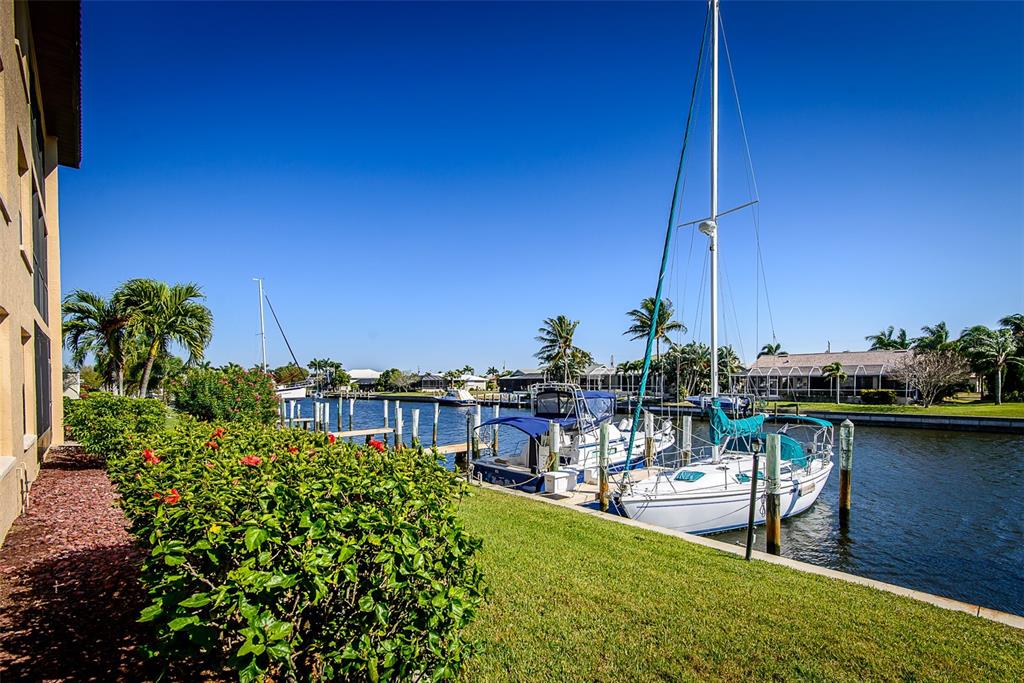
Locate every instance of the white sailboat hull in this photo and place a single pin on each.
(711, 511)
(291, 393)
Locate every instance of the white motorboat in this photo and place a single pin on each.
(579, 415)
(457, 397)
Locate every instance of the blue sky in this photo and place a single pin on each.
(421, 185)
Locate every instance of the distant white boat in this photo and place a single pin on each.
(457, 397)
(292, 392)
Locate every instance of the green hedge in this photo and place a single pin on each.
(227, 395)
(295, 558)
(878, 397)
(105, 424)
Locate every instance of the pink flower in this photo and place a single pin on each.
(251, 460)
(151, 457)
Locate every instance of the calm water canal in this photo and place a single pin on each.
(937, 511)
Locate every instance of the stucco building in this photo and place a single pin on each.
(40, 87)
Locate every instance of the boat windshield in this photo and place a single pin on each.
(554, 404)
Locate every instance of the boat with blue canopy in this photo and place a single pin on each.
(578, 415)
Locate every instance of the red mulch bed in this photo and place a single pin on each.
(69, 589)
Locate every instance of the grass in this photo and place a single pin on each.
(950, 408)
(577, 598)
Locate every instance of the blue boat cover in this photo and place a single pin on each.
(534, 426)
(722, 427)
(601, 404)
(791, 450)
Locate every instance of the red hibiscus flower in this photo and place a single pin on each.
(151, 457)
(157, 495)
(173, 497)
(377, 445)
(293, 449)
(251, 460)
(213, 445)
(330, 437)
(218, 432)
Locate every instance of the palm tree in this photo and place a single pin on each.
(642, 317)
(95, 325)
(992, 350)
(934, 337)
(773, 349)
(557, 348)
(163, 314)
(835, 371)
(728, 365)
(1015, 323)
(887, 339)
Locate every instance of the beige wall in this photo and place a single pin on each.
(22, 446)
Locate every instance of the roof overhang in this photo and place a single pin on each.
(57, 35)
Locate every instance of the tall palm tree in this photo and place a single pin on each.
(164, 314)
(888, 339)
(95, 325)
(835, 371)
(773, 349)
(642, 319)
(557, 348)
(992, 350)
(1015, 322)
(934, 337)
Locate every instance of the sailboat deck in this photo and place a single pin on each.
(585, 494)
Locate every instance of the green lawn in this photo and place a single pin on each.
(576, 598)
(975, 409)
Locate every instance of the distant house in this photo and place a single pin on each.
(521, 380)
(432, 382)
(800, 374)
(473, 382)
(598, 376)
(364, 377)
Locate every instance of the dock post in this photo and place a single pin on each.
(340, 400)
(554, 439)
(773, 508)
(602, 465)
(476, 432)
(756, 448)
(686, 440)
(386, 423)
(469, 438)
(351, 413)
(437, 417)
(416, 428)
(494, 431)
(845, 470)
(399, 441)
(649, 439)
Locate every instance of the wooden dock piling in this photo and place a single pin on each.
(351, 414)
(399, 441)
(649, 439)
(494, 431)
(756, 448)
(386, 422)
(416, 428)
(554, 440)
(476, 432)
(845, 470)
(773, 507)
(437, 418)
(340, 426)
(602, 486)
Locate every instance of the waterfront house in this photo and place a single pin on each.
(598, 376)
(799, 375)
(473, 382)
(432, 382)
(364, 378)
(521, 380)
(40, 78)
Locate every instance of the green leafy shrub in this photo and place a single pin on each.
(109, 425)
(227, 395)
(878, 397)
(295, 558)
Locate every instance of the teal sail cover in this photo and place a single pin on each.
(723, 428)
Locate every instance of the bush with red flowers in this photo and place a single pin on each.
(228, 394)
(293, 558)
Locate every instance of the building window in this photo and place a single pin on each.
(40, 259)
(43, 389)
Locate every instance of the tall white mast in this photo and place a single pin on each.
(710, 226)
(263, 331)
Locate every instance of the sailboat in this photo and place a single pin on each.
(290, 392)
(711, 491)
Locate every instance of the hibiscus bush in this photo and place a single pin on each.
(292, 557)
(104, 423)
(227, 394)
